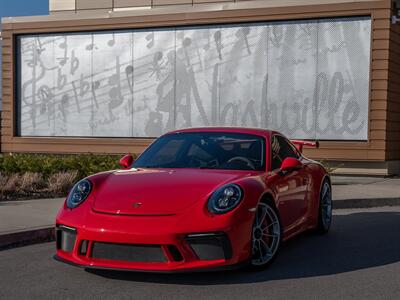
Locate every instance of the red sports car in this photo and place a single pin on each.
(196, 199)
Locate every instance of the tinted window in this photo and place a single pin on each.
(205, 150)
(281, 149)
(168, 153)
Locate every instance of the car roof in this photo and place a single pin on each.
(245, 130)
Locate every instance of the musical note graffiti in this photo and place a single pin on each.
(308, 79)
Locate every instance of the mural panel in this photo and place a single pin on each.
(341, 86)
(307, 79)
(111, 96)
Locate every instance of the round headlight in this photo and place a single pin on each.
(225, 199)
(79, 193)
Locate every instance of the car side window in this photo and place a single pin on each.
(281, 149)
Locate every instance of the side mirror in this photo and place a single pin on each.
(126, 161)
(290, 164)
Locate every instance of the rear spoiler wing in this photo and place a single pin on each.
(300, 144)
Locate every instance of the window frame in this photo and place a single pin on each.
(263, 154)
(299, 154)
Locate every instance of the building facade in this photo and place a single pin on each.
(41, 7)
(109, 76)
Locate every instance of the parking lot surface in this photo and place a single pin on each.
(358, 259)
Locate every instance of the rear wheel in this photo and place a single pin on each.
(266, 236)
(325, 208)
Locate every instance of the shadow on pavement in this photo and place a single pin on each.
(356, 241)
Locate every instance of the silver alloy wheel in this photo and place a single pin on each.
(266, 235)
(326, 203)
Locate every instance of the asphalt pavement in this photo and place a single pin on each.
(358, 259)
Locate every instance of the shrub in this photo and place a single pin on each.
(11, 184)
(47, 175)
(48, 164)
(3, 182)
(329, 167)
(61, 183)
(31, 182)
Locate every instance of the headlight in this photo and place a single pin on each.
(225, 199)
(79, 193)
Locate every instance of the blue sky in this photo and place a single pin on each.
(23, 7)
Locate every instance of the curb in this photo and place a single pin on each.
(28, 237)
(365, 203)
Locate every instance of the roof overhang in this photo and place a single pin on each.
(178, 9)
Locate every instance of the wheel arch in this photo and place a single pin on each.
(315, 211)
(327, 177)
(267, 197)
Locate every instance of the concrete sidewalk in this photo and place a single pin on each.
(363, 192)
(24, 222)
(27, 222)
(30, 214)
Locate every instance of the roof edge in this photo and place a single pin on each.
(90, 15)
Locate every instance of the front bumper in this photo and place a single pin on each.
(207, 269)
(159, 244)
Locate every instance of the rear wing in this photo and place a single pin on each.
(300, 144)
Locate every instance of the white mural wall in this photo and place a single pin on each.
(306, 79)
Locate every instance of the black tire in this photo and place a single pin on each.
(324, 208)
(266, 237)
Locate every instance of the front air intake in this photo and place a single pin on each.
(128, 252)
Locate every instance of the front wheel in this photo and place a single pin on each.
(325, 208)
(266, 236)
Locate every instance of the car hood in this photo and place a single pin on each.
(158, 191)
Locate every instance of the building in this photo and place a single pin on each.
(108, 76)
(13, 9)
(0, 72)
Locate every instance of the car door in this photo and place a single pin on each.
(291, 188)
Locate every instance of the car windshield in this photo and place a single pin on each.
(205, 150)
